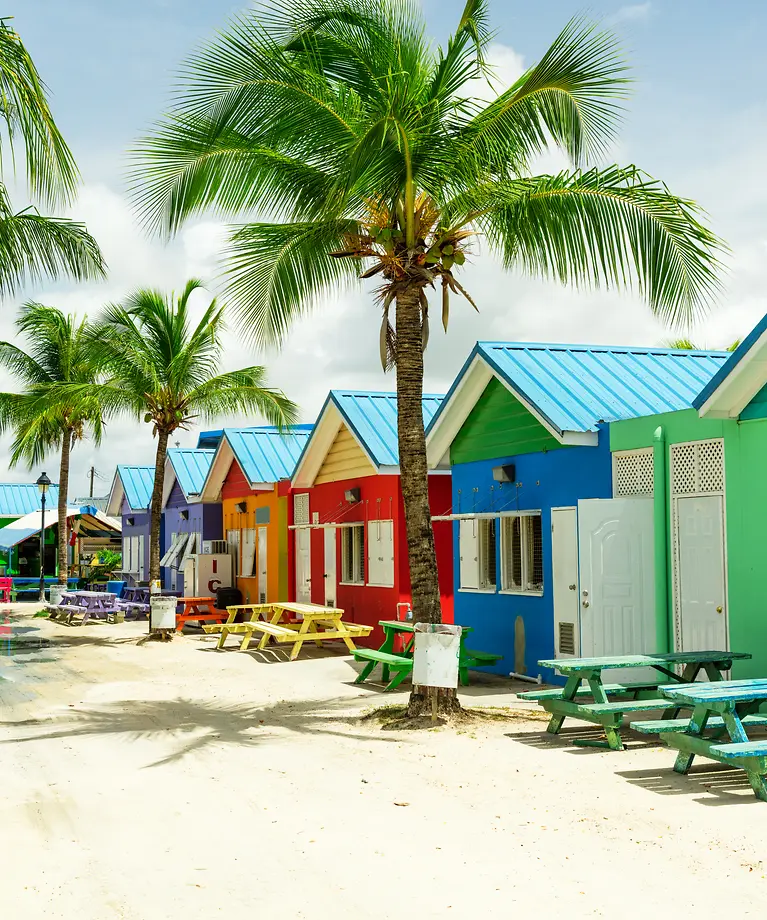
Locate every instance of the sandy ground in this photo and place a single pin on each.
(164, 781)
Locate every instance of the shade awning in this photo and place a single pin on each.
(93, 522)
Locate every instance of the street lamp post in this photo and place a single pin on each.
(42, 484)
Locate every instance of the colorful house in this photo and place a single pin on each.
(705, 470)
(188, 522)
(18, 499)
(129, 499)
(347, 513)
(249, 475)
(554, 547)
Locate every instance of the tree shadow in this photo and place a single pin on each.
(241, 724)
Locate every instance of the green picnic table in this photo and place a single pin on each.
(402, 664)
(610, 702)
(718, 709)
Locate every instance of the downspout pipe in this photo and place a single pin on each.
(663, 640)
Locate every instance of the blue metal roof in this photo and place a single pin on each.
(137, 483)
(573, 387)
(267, 454)
(191, 467)
(373, 419)
(20, 498)
(735, 357)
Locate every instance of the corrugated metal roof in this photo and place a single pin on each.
(373, 419)
(20, 498)
(137, 482)
(576, 386)
(266, 454)
(191, 467)
(735, 357)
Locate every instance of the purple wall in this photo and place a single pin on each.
(140, 525)
(205, 519)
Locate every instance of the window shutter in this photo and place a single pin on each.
(487, 563)
(533, 553)
(233, 542)
(359, 556)
(248, 552)
(346, 554)
(468, 549)
(380, 553)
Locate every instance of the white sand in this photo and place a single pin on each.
(158, 782)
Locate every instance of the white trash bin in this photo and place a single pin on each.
(436, 653)
(162, 612)
(55, 594)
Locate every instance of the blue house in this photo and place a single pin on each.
(187, 520)
(129, 499)
(553, 534)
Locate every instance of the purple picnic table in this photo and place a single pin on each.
(90, 603)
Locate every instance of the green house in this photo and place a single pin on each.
(706, 471)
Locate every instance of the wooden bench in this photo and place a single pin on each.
(661, 726)
(610, 690)
(402, 665)
(744, 750)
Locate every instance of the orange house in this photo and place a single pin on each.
(245, 476)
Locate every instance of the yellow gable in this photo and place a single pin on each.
(344, 460)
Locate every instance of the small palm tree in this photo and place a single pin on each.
(366, 152)
(59, 354)
(688, 345)
(33, 246)
(158, 367)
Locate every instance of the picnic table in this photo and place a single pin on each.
(89, 604)
(288, 623)
(200, 609)
(610, 702)
(719, 710)
(402, 664)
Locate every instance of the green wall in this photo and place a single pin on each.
(499, 426)
(745, 462)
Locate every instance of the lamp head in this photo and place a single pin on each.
(43, 482)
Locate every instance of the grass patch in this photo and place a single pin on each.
(394, 717)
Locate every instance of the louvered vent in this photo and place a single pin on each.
(697, 468)
(301, 508)
(567, 638)
(633, 472)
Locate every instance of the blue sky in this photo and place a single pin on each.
(696, 119)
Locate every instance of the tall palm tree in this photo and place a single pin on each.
(33, 246)
(159, 367)
(688, 345)
(364, 150)
(59, 352)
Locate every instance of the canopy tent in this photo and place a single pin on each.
(91, 523)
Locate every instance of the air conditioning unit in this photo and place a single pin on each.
(214, 547)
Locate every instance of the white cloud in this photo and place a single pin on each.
(506, 66)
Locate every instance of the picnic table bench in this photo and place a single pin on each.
(97, 604)
(201, 609)
(609, 703)
(402, 664)
(287, 622)
(719, 709)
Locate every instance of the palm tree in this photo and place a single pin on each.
(59, 353)
(33, 246)
(160, 368)
(365, 152)
(688, 345)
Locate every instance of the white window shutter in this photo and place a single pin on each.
(248, 552)
(468, 544)
(381, 553)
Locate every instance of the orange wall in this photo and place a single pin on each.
(235, 491)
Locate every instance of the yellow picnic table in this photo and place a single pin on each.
(288, 622)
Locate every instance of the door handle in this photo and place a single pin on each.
(572, 587)
(719, 609)
(586, 604)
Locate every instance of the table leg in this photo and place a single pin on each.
(388, 647)
(612, 731)
(224, 631)
(301, 637)
(366, 672)
(696, 728)
(345, 636)
(568, 694)
(738, 736)
(274, 620)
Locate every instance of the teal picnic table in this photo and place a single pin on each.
(402, 663)
(719, 710)
(610, 702)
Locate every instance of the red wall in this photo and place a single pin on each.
(380, 499)
(235, 484)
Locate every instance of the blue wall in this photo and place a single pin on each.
(205, 519)
(551, 479)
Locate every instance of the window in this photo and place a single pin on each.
(381, 553)
(477, 545)
(522, 553)
(353, 554)
(248, 553)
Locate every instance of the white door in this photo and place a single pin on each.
(617, 579)
(702, 594)
(330, 567)
(564, 564)
(262, 565)
(303, 565)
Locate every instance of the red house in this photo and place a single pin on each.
(348, 520)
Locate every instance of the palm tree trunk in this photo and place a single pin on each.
(63, 543)
(414, 479)
(156, 506)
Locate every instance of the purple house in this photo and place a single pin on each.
(129, 499)
(187, 521)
